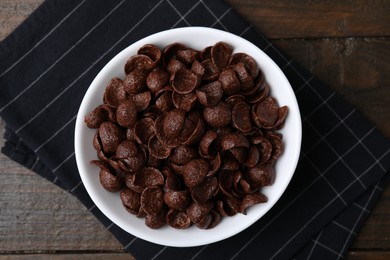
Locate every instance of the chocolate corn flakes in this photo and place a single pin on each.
(188, 136)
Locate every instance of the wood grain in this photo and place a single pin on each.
(375, 234)
(276, 19)
(37, 215)
(13, 12)
(368, 255)
(356, 68)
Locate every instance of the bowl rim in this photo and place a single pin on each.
(86, 106)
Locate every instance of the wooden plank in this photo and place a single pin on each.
(335, 18)
(356, 68)
(375, 233)
(276, 19)
(13, 12)
(368, 255)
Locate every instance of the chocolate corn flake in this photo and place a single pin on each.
(221, 54)
(249, 63)
(99, 115)
(195, 171)
(131, 200)
(149, 176)
(183, 154)
(241, 117)
(135, 81)
(252, 199)
(178, 200)
(205, 190)
(152, 200)
(126, 113)
(197, 211)
(218, 116)
(184, 81)
(157, 79)
(115, 93)
(152, 52)
(141, 100)
(143, 130)
(184, 101)
(211, 71)
(110, 136)
(178, 219)
(188, 136)
(187, 56)
(210, 94)
(229, 81)
(156, 221)
(110, 182)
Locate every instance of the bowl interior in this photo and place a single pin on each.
(110, 203)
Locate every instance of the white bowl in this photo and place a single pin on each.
(110, 203)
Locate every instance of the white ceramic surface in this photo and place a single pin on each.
(110, 203)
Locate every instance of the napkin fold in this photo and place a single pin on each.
(48, 62)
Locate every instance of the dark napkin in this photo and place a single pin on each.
(48, 62)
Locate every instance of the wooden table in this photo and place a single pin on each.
(344, 43)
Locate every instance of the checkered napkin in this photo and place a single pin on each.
(47, 64)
